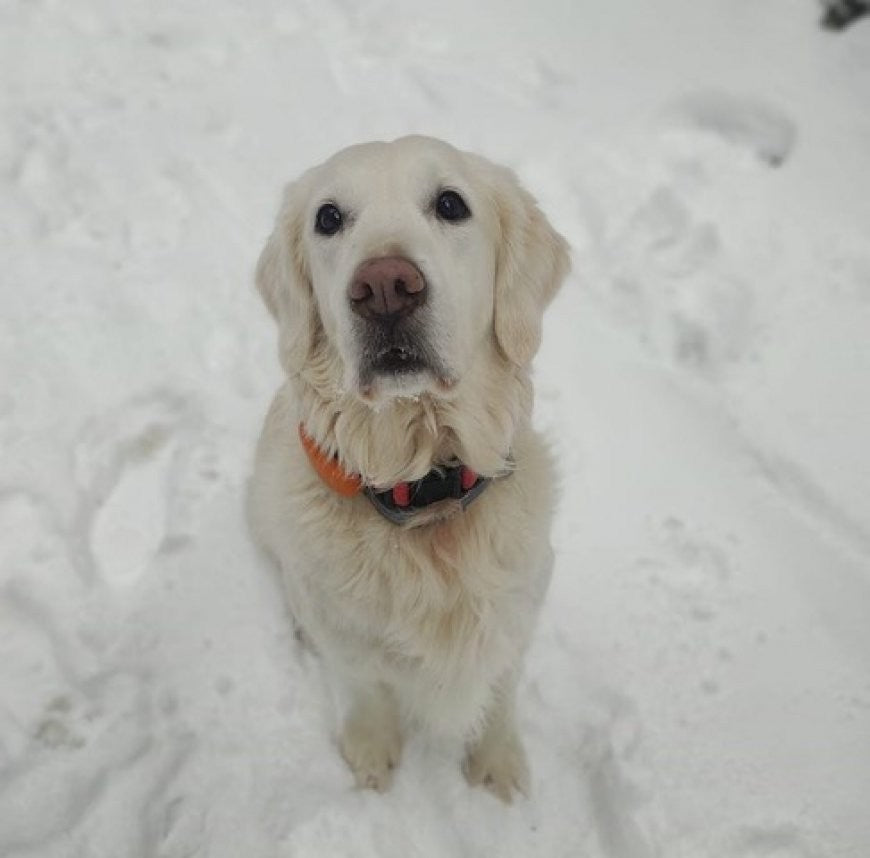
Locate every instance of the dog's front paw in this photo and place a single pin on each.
(498, 763)
(372, 751)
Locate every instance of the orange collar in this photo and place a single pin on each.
(329, 470)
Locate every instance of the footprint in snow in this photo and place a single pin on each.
(73, 727)
(144, 471)
(620, 795)
(86, 740)
(670, 281)
(770, 841)
(748, 123)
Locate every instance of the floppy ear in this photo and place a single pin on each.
(285, 285)
(532, 261)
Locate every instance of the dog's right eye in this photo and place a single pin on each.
(451, 207)
(328, 220)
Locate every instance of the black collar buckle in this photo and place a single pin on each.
(439, 484)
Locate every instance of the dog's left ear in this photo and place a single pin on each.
(284, 283)
(532, 261)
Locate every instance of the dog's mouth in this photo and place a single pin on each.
(398, 360)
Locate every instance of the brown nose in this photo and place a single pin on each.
(387, 287)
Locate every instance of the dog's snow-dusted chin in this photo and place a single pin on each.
(404, 360)
(401, 363)
(379, 387)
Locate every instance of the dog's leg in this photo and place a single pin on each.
(495, 758)
(371, 741)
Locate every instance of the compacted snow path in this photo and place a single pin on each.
(700, 682)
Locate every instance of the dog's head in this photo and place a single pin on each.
(410, 259)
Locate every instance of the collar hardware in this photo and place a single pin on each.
(400, 503)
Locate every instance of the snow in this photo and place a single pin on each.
(700, 681)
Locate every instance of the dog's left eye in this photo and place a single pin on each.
(328, 219)
(451, 207)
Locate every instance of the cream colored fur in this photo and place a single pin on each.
(426, 624)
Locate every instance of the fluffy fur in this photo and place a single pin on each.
(424, 624)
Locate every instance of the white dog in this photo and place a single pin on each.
(398, 482)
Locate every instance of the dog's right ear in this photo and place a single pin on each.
(284, 283)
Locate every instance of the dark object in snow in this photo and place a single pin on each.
(839, 14)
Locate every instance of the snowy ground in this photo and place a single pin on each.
(700, 683)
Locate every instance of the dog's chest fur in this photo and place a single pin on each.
(439, 611)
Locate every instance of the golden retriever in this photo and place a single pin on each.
(398, 482)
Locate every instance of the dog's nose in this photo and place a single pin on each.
(387, 287)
